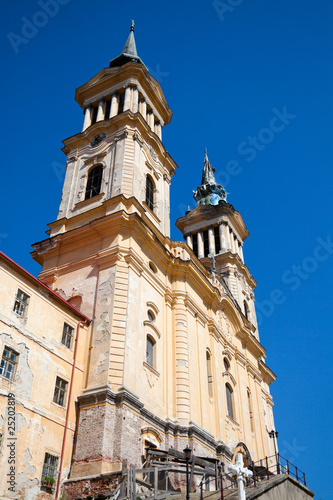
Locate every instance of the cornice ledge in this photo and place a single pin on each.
(96, 395)
(134, 262)
(240, 358)
(268, 375)
(108, 257)
(194, 310)
(149, 417)
(214, 330)
(253, 372)
(125, 396)
(223, 450)
(169, 298)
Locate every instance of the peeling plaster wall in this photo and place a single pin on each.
(40, 358)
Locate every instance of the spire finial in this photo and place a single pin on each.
(133, 25)
(209, 192)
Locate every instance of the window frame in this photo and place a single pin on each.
(21, 303)
(48, 468)
(9, 361)
(68, 334)
(230, 401)
(60, 392)
(150, 193)
(209, 373)
(150, 341)
(93, 188)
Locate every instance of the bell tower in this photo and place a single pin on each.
(216, 232)
(119, 150)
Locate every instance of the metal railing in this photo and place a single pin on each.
(275, 465)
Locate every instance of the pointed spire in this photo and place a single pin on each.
(209, 192)
(208, 171)
(129, 53)
(130, 46)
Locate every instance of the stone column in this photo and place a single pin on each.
(114, 105)
(135, 100)
(201, 252)
(189, 240)
(100, 111)
(127, 98)
(87, 118)
(232, 242)
(228, 237)
(222, 238)
(159, 130)
(151, 120)
(241, 251)
(144, 109)
(181, 361)
(211, 240)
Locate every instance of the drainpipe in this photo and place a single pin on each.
(80, 323)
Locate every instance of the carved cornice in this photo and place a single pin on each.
(253, 372)
(268, 375)
(240, 358)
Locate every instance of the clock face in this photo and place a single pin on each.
(97, 140)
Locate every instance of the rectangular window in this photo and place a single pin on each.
(217, 240)
(121, 103)
(67, 335)
(94, 115)
(21, 303)
(49, 466)
(60, 392)
(205, 242)
(107, 109)
(195, 244)
(8, 363)
(150, 351)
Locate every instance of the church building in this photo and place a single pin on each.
(128, 339)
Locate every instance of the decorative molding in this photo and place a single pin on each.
(230, 377)
(148, 324)
(134, 262)
(138, 139)
(192, 307)
(151, 369)
(153, 307)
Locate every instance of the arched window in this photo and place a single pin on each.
(150, 351)
(229, 395)
(209, 374)
(226, 364)
(149, 193)
(94, 182)
(151, 315)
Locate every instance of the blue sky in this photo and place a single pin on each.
(226, 72)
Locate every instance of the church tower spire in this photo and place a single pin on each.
(216, 232)
(209, 192)
(129, 53)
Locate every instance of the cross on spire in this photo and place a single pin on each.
(242, 473)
